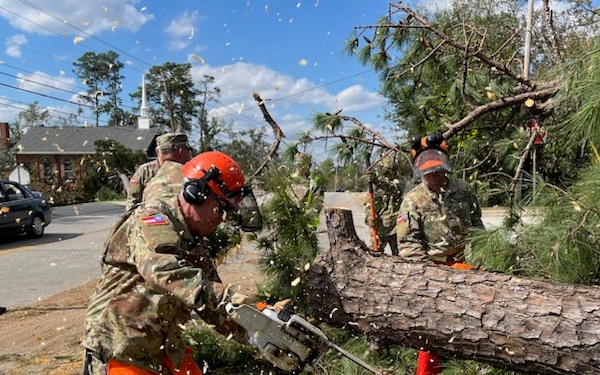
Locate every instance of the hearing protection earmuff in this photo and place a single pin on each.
(196, 191)
(434, 140)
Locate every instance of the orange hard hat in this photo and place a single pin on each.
(226, 180)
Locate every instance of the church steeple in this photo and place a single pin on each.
(144, 120)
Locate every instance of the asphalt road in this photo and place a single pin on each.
(65, 257)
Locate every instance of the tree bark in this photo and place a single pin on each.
(505, 321)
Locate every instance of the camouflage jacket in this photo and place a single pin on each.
(153, 272)
(139, 180)
(432, 226)
(387, 197)
(166, 183)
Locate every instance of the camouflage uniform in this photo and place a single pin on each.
(434, 227)
(389, 184)
(154, 271)
(139, 180)
(167, 179)
(387, 197)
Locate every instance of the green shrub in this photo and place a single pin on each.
(107, 194)
(222, 356)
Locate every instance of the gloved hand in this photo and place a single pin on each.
(230, 295)
(462, 266)
(278, 306)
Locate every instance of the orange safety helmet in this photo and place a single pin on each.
(215, 174)
(220, 172)
(434, 140)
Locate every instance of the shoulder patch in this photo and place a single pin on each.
(158, 219)
(133, 180)
(400, 218)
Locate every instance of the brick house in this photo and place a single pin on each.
(60, 154)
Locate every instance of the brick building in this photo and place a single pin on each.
(60, 154)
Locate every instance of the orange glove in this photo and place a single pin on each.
(463, 266)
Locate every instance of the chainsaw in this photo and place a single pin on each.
(292, 344)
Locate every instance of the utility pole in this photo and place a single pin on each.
(526, 64)
(528, 40)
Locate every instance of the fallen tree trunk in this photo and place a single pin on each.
(506, 321)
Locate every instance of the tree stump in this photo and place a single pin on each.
(505, 321)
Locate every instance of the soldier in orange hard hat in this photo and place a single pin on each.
(435, 218)
(156, 269)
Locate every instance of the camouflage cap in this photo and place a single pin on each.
(172, 140)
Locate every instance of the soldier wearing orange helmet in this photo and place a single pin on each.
(435, 218)
(155, 270)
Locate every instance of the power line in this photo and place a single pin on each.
(44, 95)
(67, 23)
(48, 56)
(308, 90)
(3, 101)
(55, 88)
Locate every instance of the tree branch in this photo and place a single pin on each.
(499, 104)
(277, 132)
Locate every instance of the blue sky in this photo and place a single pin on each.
(287, 51)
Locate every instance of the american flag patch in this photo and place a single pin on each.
(400, 218)
(133, 180)
(157, 219)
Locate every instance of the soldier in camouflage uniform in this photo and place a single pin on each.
(433, 222)
(174, 151)
(155, 271)
(169, 146)
(437, 214)
(387, 196)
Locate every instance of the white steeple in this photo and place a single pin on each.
(144, 120)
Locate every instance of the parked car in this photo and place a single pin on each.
(22, 210)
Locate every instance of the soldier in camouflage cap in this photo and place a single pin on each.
(169, 146)
(389, 184)
(434, 220)
(170, 141)
(173, 150)
(156, 269)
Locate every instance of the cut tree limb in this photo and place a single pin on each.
(506, 321)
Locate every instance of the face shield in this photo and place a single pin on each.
(429, 161)
(243, 206)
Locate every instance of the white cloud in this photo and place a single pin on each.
(41, 82)
(9, 109)
(89, 16)
(182, 30)
(291, 102)
(14, 44)
(238, 81)
(357, 99)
